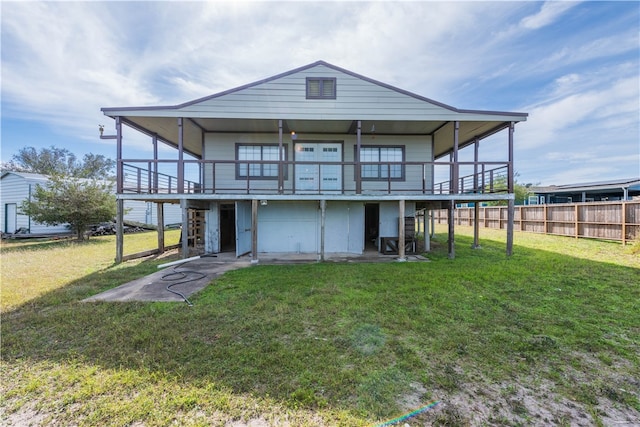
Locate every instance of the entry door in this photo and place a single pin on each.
(318, 177)
(10, 217)
(243, 228)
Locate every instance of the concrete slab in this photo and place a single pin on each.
(185, 279)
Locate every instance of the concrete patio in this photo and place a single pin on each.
(189, 277)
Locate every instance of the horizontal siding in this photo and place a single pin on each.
(287, 97)
(222, 147)
(147, 212)
(15, 189)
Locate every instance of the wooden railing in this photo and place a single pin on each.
(287, 177)
(618, 220)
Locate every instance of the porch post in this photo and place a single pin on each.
(451, 239)
(160, 209)
(511, 207)
(401, 239)
(451, 167)
(456, 170)
(357, 159)
(202, 168)
(120, 167)
(180, 155)
(155, 163)
(254, 231)
(119, 230)
(280, 159)
(476, 207)
(185, 228)
(323, 217)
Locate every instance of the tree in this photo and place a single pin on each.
(60, 161)
(78, 202)
(520, 191)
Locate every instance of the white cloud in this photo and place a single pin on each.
(548, 14)
(60, 64)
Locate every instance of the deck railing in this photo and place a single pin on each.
(289, 177)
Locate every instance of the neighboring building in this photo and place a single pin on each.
(15, 187)
(315, 160)
(602, 191)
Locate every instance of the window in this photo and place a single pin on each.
(259, 153)
(321, 88)
(384, 157)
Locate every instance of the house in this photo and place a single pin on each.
(316, 160)
(601, 191)
(15, 187)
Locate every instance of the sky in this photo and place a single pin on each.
(572, 66)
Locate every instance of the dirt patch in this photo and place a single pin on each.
(515, 403)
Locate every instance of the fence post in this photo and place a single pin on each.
(624, 223)
(577, 225)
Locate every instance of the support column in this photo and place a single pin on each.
(510, 215)
(401, 237)
(180, 155)
(185, 229)
(451, 239)
(476, 207)
(476, 225)
(511, 207)
(280, 159)
(323, 218)
(456, 167)
(357, 159)
(254, 231)
(119, 230)
(160, 209)
(119, 171)
(154, 140)
(427, 230)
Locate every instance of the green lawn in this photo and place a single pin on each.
(549, 336)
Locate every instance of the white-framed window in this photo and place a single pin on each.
(382, 163)
(260, 153)
(321, 88)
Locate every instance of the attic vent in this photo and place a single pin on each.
(321, 88)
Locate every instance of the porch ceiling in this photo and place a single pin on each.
(167, 129)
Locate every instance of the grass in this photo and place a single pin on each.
(335, 344)
(31, 268)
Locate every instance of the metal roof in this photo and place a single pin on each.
(616, 184)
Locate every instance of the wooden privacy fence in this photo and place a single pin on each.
(598, 220)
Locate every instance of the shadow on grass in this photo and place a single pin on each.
(45, 244)
(354, 337)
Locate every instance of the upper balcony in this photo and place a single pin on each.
(228, 177)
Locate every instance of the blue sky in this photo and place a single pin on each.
(573, 66)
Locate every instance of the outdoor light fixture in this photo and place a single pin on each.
(263, 203)
(293, 135)
(103, 136)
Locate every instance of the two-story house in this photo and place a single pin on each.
(316, 160)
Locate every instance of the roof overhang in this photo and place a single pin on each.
(424, 117)
(166, 128)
